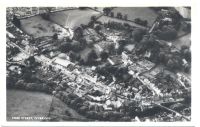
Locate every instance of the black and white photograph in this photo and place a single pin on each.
(93, 64)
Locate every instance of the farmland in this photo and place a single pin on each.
(38, 27)
(143, 13)
(73, 18)
(106, 19)
(30, 104)
(35, 104)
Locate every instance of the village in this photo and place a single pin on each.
(106, 70)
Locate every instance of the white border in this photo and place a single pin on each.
(101, 3)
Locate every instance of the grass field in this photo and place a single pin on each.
(29, 104)
(106, 19)
(144, 13)
(39, 27)
(73, 18)
(35, 104)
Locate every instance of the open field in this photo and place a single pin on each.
(28, 104)
(73, 18)
(144, 13)
(35, 104)
(39, 27)
(106, 19)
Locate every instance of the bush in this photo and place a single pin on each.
(16, 21)
(91, 114)
(167, 33)
(83, 109)
(45, 16)
(141, 22)
(138, 34)
(125, 118)
(55, 36)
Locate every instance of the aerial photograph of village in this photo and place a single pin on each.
(87, 64)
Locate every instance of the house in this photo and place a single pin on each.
(136, 68)
(61, 62)
(145, 63)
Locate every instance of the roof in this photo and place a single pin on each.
(145, 63)
(62, 62)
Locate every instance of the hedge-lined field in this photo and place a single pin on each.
(144, 13)
(73, 18)
(39, 27)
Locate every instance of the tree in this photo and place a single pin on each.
(55, 36)
(145, 23)
(65, 48)
(111, 49)
(104, 55)
(92, 56)
(125, 17)
(138, 34)
(141, 22)
(74, 56)
(119, 15)
(16, 21)
(14, 51)
(112, 14)
(162, 58)
(76, 46)
(83, 26)
(83, 109)
(173, 64)
(106, 10)
(83, 8)
(78, 33)
(93, 18)
(167, 32)
(30, 61)
(125, 118)
(98, 28)
(49, 9)
(27, 74)
(186, 53)
(83, 42)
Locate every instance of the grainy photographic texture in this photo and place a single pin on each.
(98, 64)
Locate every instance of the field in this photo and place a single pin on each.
(36, 104)
(73, 18)
(105, 19)
(24, 103)
(39, 27)
(184, 40)
(144, 13)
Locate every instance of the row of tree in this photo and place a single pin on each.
(108, 12)
(96, 112)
